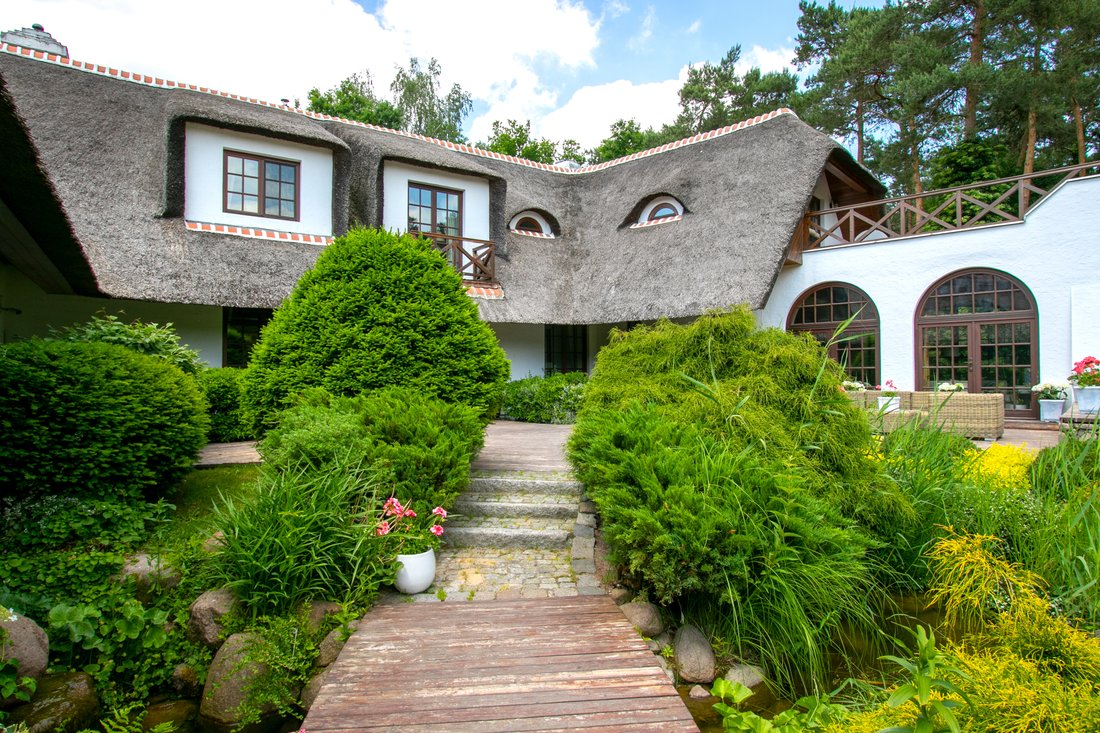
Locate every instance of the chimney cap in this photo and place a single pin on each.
(38, 26)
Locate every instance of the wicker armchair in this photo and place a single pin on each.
(969, 415)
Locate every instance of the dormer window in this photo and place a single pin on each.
(531, 223)
(659, 210)
(261, 186)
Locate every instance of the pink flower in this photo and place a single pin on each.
(440, 512)
(383, 528)
(409, 513)
(393, 507)
(437, 530)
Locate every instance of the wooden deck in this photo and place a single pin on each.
(558, 664)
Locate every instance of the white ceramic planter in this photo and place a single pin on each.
(417, 572)
(1051, 410)
(1088, 398)
(889, 404)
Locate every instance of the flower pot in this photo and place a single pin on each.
(417, 572)
(1088, 398)
(1051, 410)
(889, 404)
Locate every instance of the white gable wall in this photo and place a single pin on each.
(1055, 253)
(204, 179)
(395, 191)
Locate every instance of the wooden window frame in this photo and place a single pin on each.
(261, 160)
(537, 228)
(826, 329)
(439, 189)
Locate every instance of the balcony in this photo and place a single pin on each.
(474, 259)
(982, 204)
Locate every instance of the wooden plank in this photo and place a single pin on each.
(525, 665)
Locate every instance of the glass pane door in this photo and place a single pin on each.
(1006, 362)
(945, 355)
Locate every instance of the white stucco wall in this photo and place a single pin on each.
(198, 326)
(204, 179)
(525, 346)
(1055, 253)
(395, 191)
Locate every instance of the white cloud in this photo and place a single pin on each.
(280, 48)
(588, 114)
(694, 27)
(615, 8)
(638, 41)
(768, 59)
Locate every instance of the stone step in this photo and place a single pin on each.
(507, 537)
(530, 484)
(476, 507)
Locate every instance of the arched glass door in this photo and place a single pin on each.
(981, 328)
(823, 308)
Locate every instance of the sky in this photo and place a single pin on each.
(571, 67)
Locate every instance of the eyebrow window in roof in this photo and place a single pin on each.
(261, 186)
(531, 223)
(660, 210)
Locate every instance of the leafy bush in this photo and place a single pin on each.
(54, 521)
(306, 535)
(747, 550)
(92, 419)
(554, 399)
(418, 446)
(145, 338)
(736, 489)
(222, 389)
(377, 310)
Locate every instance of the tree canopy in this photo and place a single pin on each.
(512, 138)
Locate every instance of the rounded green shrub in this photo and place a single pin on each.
(554, 399)
(94, 419)
(222, 389)
(376, 310)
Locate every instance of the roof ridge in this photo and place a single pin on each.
(147, 80)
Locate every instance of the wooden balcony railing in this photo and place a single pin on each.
(475, 259)
(943, 210)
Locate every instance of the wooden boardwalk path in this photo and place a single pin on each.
(557, 664)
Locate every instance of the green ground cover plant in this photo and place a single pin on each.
(94, 420)
(554, 399)
(376, 310)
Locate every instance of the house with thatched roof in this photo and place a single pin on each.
(174, 202)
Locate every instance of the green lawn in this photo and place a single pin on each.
(198, 492)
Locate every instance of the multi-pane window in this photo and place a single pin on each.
(566, 349)
(435, 210)
(821, 311)
(261, 186)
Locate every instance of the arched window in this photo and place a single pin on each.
(981, 328)
(820, 310)
(531, 222)
(661, 207)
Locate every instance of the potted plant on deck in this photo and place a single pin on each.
(888, 400)
(1052, 400)
(1086, 384)
(416, 542)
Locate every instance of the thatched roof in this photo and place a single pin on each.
(113, 149)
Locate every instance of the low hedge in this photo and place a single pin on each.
(93, 419)
(554, 399)
(420, 447)
(222, 388)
